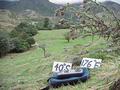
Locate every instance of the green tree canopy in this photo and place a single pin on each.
(27, 28)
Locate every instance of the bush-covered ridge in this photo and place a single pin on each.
(18, 40)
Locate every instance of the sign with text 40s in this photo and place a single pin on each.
(91, 63)
(61, 67)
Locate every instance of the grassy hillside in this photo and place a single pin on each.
(30, 70)
(7, 20)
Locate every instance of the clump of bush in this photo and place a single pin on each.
(67, 37)
(18, 40)
(4, 43)
(30, 41)
(44, 24)
(61, 26)
(22, 37)
(27, 28)
(20, 45)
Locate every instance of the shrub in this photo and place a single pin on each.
(46, 22)
(14, 33)
(67, 37)
(30, 41)
(61, 26)
(22, 35)
(4, 43)
(18, 40)
(43, 47)
(27, 28)
(20, 45)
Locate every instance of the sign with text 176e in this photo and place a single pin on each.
(91, 63)
(62, 67)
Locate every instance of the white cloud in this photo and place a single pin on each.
(117, 1)
(66, 1)
(78, 1)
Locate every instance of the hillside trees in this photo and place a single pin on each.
(18, 40)
(22, 37)
(44, 24)
(27, 28)
(20, 45)
(47, 23)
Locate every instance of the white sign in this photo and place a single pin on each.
(62, 67)
(91, 63)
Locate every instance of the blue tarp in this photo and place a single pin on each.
(58, 79)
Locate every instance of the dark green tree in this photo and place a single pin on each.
(4, 43)
(20, 45)
(27, 28)
(30, 41)
(21, 40)
(46, 23)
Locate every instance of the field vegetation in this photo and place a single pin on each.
(28, 51)
(30, 70)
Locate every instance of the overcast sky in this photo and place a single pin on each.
(70, 1)
(9, 0)
(77, 1)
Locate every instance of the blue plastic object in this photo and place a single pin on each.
(70, 78)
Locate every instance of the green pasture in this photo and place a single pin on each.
(30, 70)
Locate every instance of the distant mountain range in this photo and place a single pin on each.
(11, 13)
(113, 6)
(44, 7)
(37, 8)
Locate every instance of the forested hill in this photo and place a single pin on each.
(44, 7)
(113, 6)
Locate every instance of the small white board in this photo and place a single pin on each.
(91, 63)
(61, 67)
